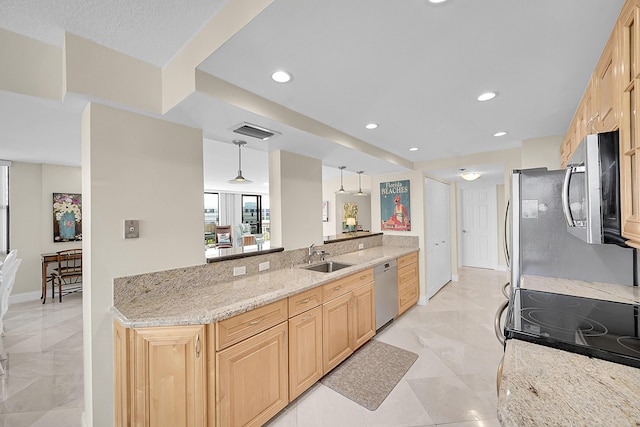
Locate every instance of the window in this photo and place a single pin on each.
(4, 206)
(255, 211)
(211, 215)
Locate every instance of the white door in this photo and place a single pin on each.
(479, 227)
(438, 235)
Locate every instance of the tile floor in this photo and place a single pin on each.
(43, 383)
(452, 383)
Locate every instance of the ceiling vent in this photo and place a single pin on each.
(254, 131)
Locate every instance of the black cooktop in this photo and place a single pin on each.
(603, 329)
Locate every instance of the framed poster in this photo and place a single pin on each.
(325, 211)
(67, 217)
(395, 210)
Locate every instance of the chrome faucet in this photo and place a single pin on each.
(310, 253)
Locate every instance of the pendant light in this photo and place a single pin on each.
(341, 190)
(360, 193)
(239, 179)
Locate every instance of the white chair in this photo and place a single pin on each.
(6, 286)
(10, 258)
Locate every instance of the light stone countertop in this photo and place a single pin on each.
(203, 303)
(546, 386)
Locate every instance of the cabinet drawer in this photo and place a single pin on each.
(346, 284)
(237, 328)
(407, 259)
(305, 300)
(407, 276)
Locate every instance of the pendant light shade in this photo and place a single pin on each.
(341, 190)
(360, 192)
(239, 179)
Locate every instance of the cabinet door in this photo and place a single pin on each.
(305, 351)
(336, 331)
(605, 85)
(252, 379)
(364, 315)
(170, 380)
(122, 378)
(408, 287)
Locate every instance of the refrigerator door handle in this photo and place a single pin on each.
(565, 197)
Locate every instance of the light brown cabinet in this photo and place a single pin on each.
(629, 148)
(305, 351)
(605, 85)
(408, 282)
(252, 379)
(161, 376)
(349, 319)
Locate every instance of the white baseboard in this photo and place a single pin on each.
(26, 296)
(501, 268)
(454, 277)
(423, 300)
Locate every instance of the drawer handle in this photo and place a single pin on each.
(255, 322)
(304, 319)
(304, 301)
(198, 346)
(363, 277)
(337, 288)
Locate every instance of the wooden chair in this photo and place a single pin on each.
(68, 273)
(223, 236)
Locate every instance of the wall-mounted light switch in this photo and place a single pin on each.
(131, 228)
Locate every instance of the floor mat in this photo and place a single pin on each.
(369, 375)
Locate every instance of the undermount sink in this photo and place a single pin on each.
(327, 266)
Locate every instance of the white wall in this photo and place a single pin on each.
(351, 184)
(295, 200)
(134, 167)
(31, 186)
(541, 152)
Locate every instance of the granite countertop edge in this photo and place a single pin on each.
(204, 304)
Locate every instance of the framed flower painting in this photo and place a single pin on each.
(67, 217)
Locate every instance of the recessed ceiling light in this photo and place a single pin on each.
(371, 125)
(487, 96)
(437, 1)
(281, 76)
(413, 149)
(501, 133)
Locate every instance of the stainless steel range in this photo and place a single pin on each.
(602, 329)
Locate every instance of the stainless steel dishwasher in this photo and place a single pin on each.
(386, 292)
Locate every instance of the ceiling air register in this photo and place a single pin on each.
(254, 131)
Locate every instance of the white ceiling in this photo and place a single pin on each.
(412, 67)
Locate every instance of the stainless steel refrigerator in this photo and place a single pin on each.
(541, 244)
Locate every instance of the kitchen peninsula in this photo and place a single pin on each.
(215, 334)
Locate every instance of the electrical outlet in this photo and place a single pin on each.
(361, 246)
(239, 271)
(263, 266)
